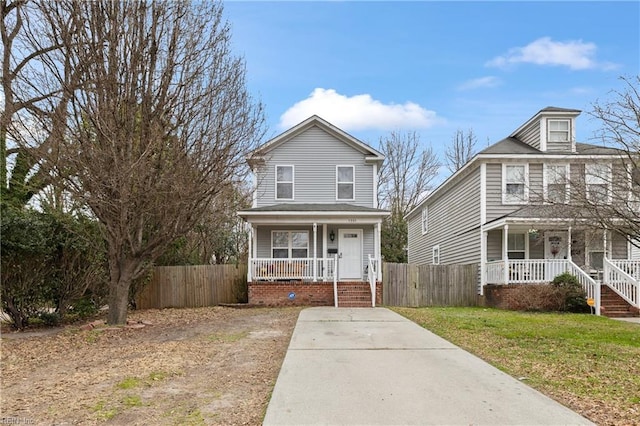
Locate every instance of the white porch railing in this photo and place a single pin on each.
(620, 276)
(292, 269)
(531, 271)
(373, 278)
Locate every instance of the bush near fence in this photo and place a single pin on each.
(429, 285)
(194, 286)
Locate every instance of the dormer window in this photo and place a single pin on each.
(284, 182)
(558, 130)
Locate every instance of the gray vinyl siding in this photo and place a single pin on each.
(558, 146)
(531, 135)
(618, 246)
(536, 194)
(453, 224)
(315, 155)
(495, 208)
(494, 245)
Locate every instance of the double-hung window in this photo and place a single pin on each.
(425, 220)
(598, 181)
(516, 246)
(514, 183)
(557, 183)
(435, 252)
(290, 244)
(345, 182)
(558, 130)
(284, 182)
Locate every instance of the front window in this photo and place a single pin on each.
(290, 244)
(284, 182)
(425, 220)
(558, 130)
(516, 246)
(557, 189)
(514, 184)
(345, 182)
(598, 180)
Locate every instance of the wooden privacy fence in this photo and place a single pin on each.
(194, 286)
(429, 285)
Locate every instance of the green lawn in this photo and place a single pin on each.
(589, 363)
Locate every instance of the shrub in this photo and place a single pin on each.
(571, 293)
(536, 298)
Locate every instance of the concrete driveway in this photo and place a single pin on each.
(363, 366)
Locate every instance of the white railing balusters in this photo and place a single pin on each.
(620, 281)
(335, 279)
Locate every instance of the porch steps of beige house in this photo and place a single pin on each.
(354, 295)
(614, 306)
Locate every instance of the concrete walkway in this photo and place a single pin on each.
(362, 366)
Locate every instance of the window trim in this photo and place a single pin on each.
(353, 182)
(607, 182)
(425, 220)
(292, 182)
(290, 247)
(525, 197)
(558, 120)
(545, 181)
(435, 254)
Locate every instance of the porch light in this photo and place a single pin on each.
(332, 236)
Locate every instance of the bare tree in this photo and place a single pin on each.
(158, 127)
(610, 194)
(406, 176)
(461, 149)
(32, 100)
(408, 171)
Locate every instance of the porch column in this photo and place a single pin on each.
(315, 252)
(378, 251)
(483, 261)
(505, 252)
(604, 243)
(250, 254)
(569, 245)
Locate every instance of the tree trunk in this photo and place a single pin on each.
(119, 296)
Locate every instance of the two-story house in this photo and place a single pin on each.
(314, 224)
(508, 210)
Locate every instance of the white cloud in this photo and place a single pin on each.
(359, 112)
(477, 83)
(575, 54)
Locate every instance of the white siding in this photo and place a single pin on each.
(315, 155)
(454, 223)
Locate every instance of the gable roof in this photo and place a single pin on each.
(371, 154)
(547, 111)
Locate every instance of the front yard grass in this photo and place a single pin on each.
(588, 363)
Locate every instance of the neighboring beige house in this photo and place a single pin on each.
(501, 210)
(315, 226)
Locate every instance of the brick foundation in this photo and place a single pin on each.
(510, 296)
(276, 293)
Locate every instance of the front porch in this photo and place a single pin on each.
(528, 254)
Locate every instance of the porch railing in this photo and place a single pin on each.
(292, 269)
(621, 281)
(373, 277)
(531, 271)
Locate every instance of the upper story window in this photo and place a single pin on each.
(345, 182)
(514, 183)
(425, 220)
(558, 130)
(556, 183)
(284, 182)
(598, 181)
(290, 244)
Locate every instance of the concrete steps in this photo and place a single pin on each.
(614, 306)
(354, 295)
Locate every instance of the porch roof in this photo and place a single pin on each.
(288, 212)
(539, 215)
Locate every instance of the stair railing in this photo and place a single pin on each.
(335, 280)
(590, 286)
(373, 274)
(622, 283)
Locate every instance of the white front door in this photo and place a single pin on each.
(556, 248)
(350, 254)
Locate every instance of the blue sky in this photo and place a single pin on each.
(433, 67)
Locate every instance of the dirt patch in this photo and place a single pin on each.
(185, 366)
